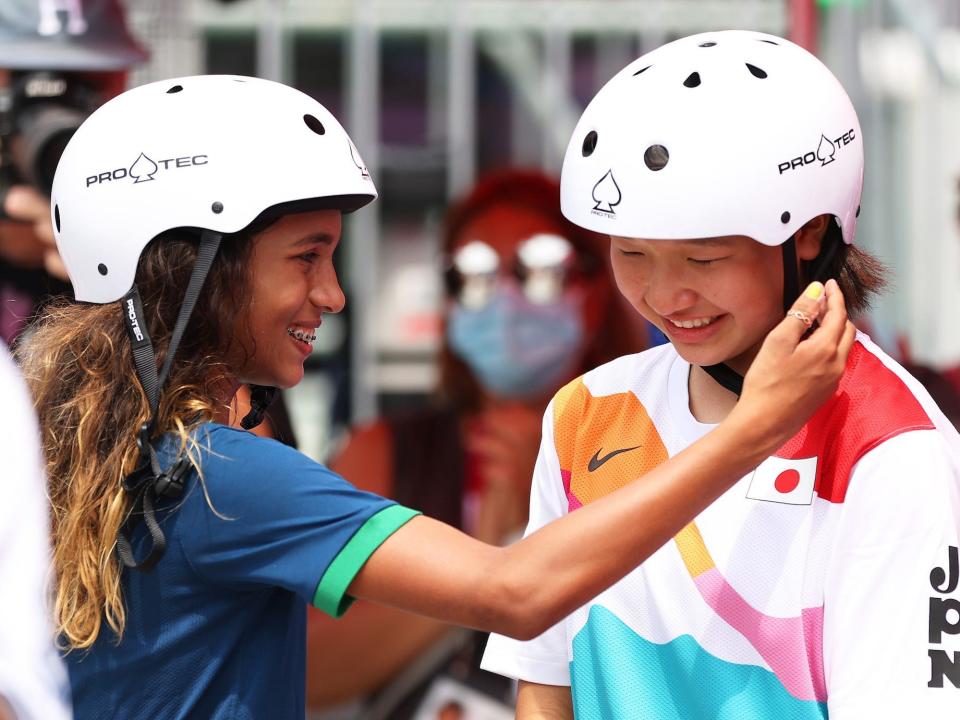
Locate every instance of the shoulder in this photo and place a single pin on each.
(222, 444)
(620, 382)
(236, 462)
(603, 427)
(245, 476)
(876, 401)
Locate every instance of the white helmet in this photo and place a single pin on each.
(721, 133)
(210, 152)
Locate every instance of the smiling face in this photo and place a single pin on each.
(293, 283)
(715, 299)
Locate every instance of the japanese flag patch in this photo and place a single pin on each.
(784, 480)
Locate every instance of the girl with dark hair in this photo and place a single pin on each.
(197, 219)
(815, 586)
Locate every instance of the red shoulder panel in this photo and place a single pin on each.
(871, 405)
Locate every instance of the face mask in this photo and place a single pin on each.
(518, 349)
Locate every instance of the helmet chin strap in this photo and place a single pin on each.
(730, 378)
(149, 482)
(725, 375)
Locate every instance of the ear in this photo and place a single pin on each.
(810, 237)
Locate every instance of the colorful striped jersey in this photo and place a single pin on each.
(823, 584)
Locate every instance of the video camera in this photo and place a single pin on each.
(39, 112)
(57, 55)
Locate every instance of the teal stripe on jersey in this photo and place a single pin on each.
(616, 674)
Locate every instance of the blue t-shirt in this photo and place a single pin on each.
(217, 629)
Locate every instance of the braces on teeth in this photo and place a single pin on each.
(301, 335)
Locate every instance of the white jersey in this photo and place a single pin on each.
(823, 584)
(32, 677)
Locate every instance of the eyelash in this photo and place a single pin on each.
(309, 257)
(695, 261)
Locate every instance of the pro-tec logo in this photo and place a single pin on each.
(783, 480)
(134, 322)
(606, 195)
(825, 152)
(944, 619)
(144, 168)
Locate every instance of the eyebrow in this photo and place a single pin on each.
(709, 242)
(324, 238)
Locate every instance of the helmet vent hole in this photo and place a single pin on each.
(642, 70)
(56, 216)
(858, 211)
(692, 81)
(589, 143)
(756, 72)
(769, 42)
(708, 44)
(785, 218)
(102, 269)
(174, 89)
(314, 124)
(656, 157)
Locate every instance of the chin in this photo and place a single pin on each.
(289, 379)
(707, 356)
(284, 379)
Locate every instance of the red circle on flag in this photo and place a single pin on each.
(787, 481)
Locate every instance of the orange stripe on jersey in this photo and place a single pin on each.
(603, 442)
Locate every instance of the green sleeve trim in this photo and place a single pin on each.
(331, 595)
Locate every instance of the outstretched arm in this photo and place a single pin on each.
(521, 590)
(544, 702)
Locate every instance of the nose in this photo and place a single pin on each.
(326, 293)
(667, 294)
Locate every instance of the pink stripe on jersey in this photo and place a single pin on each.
(792, 647)
(572, 502)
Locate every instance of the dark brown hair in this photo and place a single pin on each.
(859, 274)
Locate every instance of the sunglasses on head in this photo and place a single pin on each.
(544, 266)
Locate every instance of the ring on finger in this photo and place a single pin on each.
(801, 316)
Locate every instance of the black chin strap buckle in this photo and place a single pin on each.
(261, 396)
(170, 483)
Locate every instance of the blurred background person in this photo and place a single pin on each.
(33, 682)
(57, 65)
(529, 305)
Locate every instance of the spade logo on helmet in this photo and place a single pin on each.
(144, 168)
(825, 152)
(606, 195)
(355, 156)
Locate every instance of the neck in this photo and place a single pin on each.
(233, 405)
(710, 402)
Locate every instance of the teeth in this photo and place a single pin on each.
(301, 335)
(694, 323)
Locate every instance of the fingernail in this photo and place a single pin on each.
(814, 290)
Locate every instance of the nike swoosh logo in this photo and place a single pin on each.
(596, 461)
